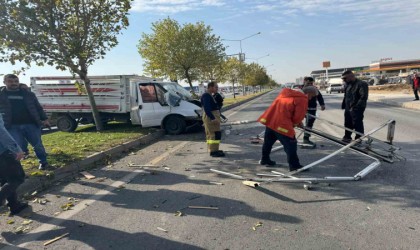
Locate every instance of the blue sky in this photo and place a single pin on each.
(298, 34)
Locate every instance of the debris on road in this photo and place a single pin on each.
(88, 175)
(27, 222)
(10, 222)
(132, 165)
(194, 197)
(179, 213)
(200, 207)
(55, 239)
(21, 230)
(259, 224)
(216, 183)
(251, 183)
(161, 229)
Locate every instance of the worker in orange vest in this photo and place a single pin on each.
(286, 112)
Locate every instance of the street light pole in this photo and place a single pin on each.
(241, 57)
(257, 59)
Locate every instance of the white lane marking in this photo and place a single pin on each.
(55, 222)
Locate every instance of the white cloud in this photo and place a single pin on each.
(173, 6)
(369, 13)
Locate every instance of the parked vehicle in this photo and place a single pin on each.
(140, 100)
(335, 85)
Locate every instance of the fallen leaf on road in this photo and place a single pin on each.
(27, 222)
(10, 222)
(37, 173)
(367, 208)
(179, 213)
(67, 206)
(259, 224)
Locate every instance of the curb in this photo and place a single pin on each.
(407, 105)
(41, 183)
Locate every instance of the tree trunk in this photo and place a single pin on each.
(190, 83)
(95, 112)
(233, 88)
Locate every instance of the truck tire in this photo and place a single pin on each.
(174, 125)
(66, 124)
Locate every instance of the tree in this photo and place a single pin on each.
(180, 52)
(255, 75)
(231, 70)
(70, 34)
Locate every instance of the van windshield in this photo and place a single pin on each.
(178, 89)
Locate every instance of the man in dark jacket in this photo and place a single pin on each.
(354, 104)
(312, 107)
(23, 116)
(11, 172)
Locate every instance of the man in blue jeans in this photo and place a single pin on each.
(11, 172)
(23, 116)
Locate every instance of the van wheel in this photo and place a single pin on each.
(66, 124)
(174, 125)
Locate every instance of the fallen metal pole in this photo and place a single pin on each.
(388, 123)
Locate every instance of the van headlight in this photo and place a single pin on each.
(199, 112)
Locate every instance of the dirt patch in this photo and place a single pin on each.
(391, 89)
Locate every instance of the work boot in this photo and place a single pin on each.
(18, 208)
(296, 168)
(43, 166)
(307, 141)
(217, 153)
(346, 140)
(267, 162)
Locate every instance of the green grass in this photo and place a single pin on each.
(231, 100)
(65, 148)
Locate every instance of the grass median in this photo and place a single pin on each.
(66, 148)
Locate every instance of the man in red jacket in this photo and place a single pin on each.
(286, 112)
(416, 85)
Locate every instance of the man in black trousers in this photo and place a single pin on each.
(354, 104)
(312, 107)
(11, 171)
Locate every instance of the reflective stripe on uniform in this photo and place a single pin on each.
(282, 130)
(263, 120)
(213, 141)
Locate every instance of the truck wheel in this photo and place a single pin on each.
(66, 124)
(174, 125)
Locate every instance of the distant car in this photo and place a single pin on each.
(335, 87)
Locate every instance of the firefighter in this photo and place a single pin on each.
(211, 120)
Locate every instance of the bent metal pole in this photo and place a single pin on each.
(340, 150)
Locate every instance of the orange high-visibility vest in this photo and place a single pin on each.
(286, 111)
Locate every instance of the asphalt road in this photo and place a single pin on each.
(127, 208)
